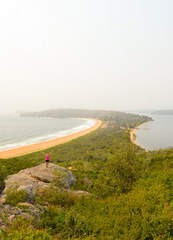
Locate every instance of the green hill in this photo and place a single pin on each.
(131, 190)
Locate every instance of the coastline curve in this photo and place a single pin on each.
(133, 137)
(16, 152)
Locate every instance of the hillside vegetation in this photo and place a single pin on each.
(131, 190)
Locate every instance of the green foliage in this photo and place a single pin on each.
(121, 171)
(3, 173)
(14, 165)
(14, 196)
(59, 178)
(131, 189)
(22, 229)
(55, 196)
(54, 219)
(140, 214)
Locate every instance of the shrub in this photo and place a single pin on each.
(55, 196)
(22, 229)
(60, 178)
(3, 173)
(53, 219)
(13, 196)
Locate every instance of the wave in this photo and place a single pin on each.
(89, 123)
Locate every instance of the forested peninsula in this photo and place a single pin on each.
(120, 118)
(128, 191)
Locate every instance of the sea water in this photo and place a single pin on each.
(156, 134)
(19, 131)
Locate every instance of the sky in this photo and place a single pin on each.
(89, 54)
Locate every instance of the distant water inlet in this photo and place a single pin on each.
(156, 134)
(16, 132)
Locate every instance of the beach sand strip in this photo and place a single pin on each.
(133, 131)
(16, 152)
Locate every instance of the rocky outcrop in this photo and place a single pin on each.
(36, 178)
(10, 213)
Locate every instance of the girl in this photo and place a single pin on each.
(47, 158)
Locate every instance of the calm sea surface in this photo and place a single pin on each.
(16, 131)
(157, 134)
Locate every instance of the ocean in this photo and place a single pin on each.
(156, 134)
(19, 131)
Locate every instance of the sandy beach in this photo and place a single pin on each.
(132, 133)
(47, 144)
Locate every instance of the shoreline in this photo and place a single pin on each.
(132, 134)
(16, 152)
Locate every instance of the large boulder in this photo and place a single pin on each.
(35, 178)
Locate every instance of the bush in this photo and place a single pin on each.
(22, 229)
(53, 219)
(60, 178)
(55, 196)
(13, 196)
(3, 173)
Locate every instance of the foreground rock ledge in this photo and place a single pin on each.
(38, 177)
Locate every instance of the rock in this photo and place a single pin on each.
(79, 192)
(2, 199)
(11, 218)
(29, 190)
(32, 179)
(9, 213)
(47, 175)
(43, 189)
(7, 208)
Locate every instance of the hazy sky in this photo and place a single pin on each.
(94, 54)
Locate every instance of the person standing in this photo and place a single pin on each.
(47, 157)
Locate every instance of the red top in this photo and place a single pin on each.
(47, 156)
